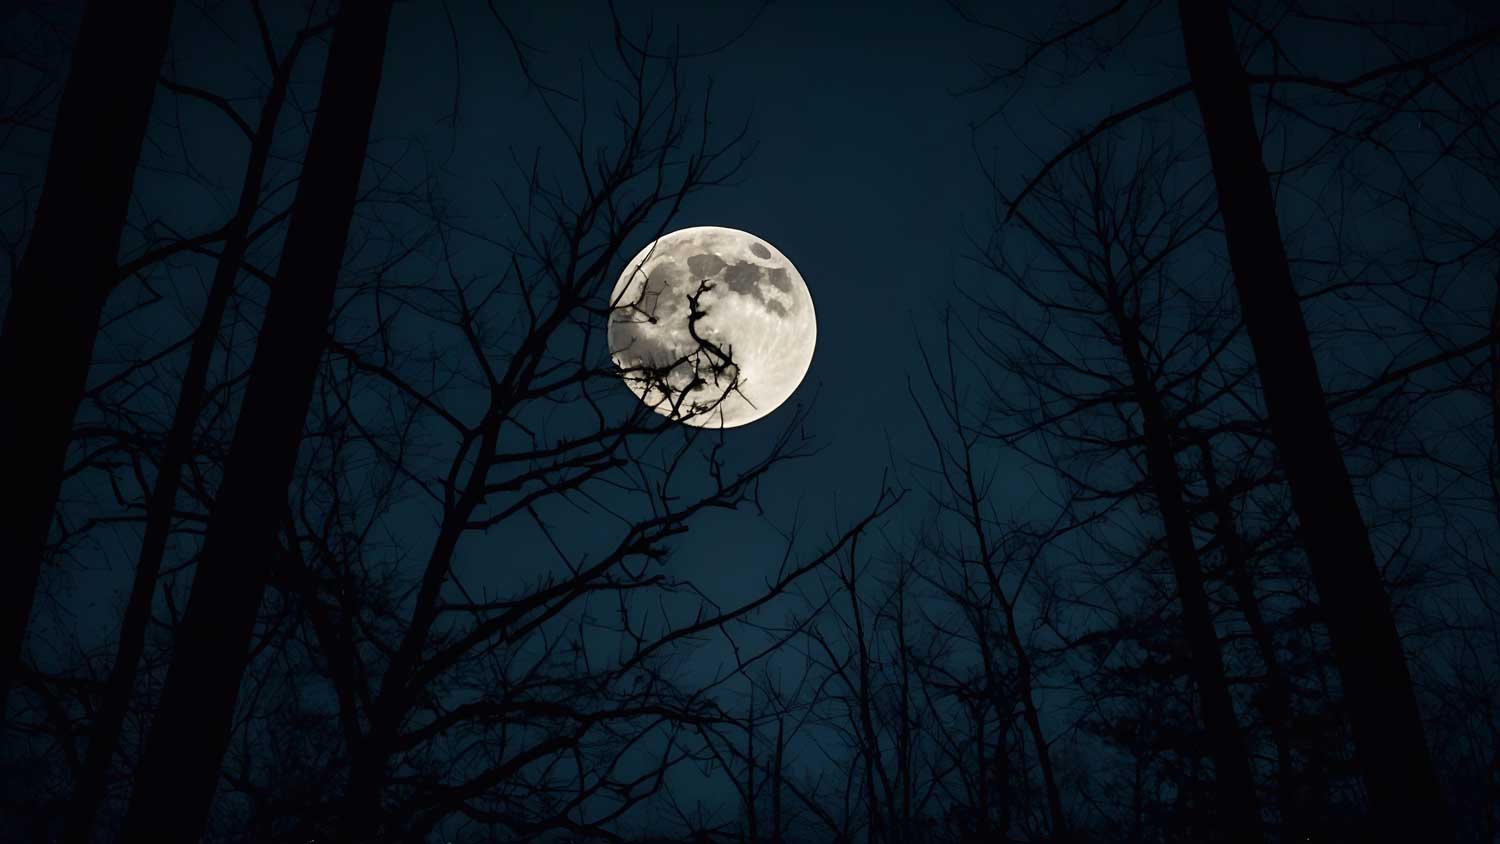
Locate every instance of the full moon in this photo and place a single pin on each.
(712, 326)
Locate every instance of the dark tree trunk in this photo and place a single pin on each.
(1025, 687)
(60, 288)
(982, 762)
(362, 810)
(1238, 810)
(905, 761)
(777, 826)
(104, 732)
(1025, 682)
(179, 770)
(870, 743)
(751, 832)
(1405, 802)
(1278, 706)
(1001, 786)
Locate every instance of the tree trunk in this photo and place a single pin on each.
(1238, 810)
(104, 732)
(777, 826)
(905, 761)
(1025, 687)
(64, 278)
(752, 833)
(1404, 799)
(870, 742)
(362, 811)
(1278, 708)
(179, 770)
(1001, 779)
(1033, 717)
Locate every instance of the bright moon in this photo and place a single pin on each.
(712, 326)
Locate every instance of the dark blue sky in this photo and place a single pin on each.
(861, 170)
(865, 173)
(862, 173)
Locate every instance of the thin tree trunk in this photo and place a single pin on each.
(104, 732)
(64, 278)
(1003, 764)
(1024, 676)
(869, 740)
(1278, 710)
(1029, 712)
(777, 826)
(1238, 812)
(978, 711)
(179, 770)
(1033, 718)
(1494, 397)
(905, 763)
(751, 830)
(361, 804)
(1404, 798)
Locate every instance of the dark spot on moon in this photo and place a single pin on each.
(705, 266)
(635, 347)
(759, 251)
(742, 277)
(745, 278)
(779, 279)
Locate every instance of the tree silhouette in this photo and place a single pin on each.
(1404, 795)
(68, 270)
(1230, 77)
(1113, 227)
(176, 450)
(408, 562)
(177, 776)
(964, 484)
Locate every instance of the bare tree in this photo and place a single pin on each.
(1357, 110)
(546, 698)
(1382, 704)
(1110, 341)
(59, 290)
(985, 550)
(877, 774)
(192, 725)
(176, 450)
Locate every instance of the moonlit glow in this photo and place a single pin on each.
(712, 326)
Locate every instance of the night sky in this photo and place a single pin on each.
(869, 131)
(880, 143)
(863, 172)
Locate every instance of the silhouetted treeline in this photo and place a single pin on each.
(404, 563)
